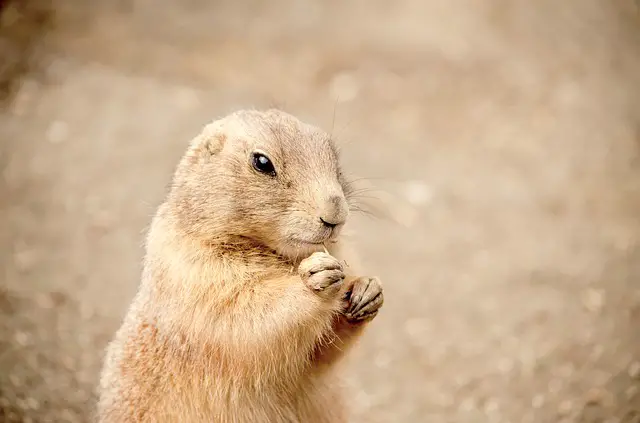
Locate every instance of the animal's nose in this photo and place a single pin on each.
(335, 212)
(328, 224)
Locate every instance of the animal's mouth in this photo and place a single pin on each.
(313, 244)
(316, 241)
(304, 242)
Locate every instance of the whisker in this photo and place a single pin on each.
(363, 191)
(346, 125)
(368, 213)
(368, 178)
(333, 120)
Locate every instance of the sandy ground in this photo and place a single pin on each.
(508, 133)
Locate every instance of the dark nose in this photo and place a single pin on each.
(335, 212)
(328, 224)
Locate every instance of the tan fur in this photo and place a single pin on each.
(227, 326)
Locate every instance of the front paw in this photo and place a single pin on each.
(364, 299)
(321, 272)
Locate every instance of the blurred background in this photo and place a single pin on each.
(507, 132)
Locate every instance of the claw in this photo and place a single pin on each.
(363, 305)
(364, 300)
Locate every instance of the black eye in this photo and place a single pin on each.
(262, 164)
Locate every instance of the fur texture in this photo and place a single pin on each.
(240, 316)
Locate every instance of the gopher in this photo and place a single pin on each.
(248, 296)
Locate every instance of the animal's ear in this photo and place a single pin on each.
(208, 142)
(213, 138)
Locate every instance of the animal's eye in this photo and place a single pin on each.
(262, 164)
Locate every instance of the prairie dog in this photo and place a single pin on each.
(242, 313)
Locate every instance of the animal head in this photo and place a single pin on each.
(265, 176)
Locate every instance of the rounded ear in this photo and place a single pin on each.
(208, 142)
(212, 138)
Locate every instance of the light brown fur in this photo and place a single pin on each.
(240, 316)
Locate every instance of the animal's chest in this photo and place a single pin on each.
(216, 406)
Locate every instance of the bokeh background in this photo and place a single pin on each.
(507, 134)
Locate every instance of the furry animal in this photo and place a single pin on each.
(248, 295)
